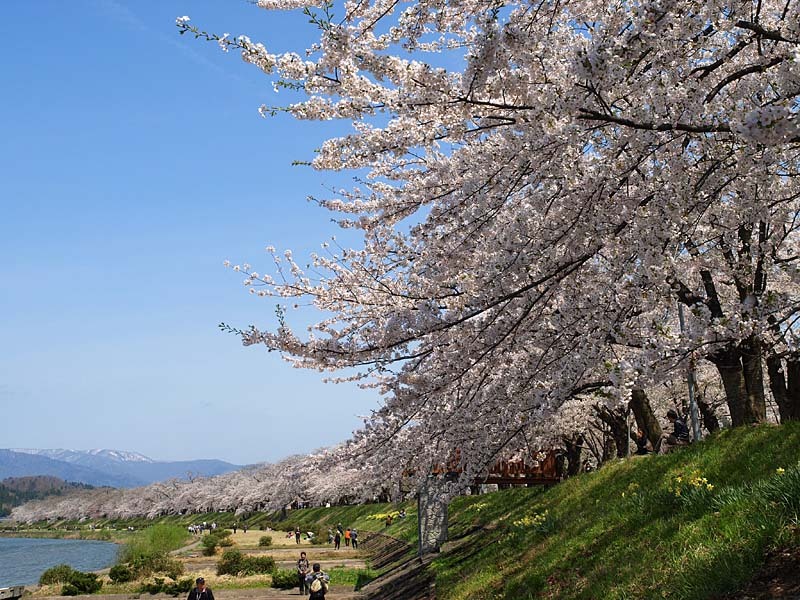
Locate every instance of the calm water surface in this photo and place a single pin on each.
(23, 560)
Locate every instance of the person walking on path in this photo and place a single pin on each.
(317, 582)
(354, 538)
(337, 540)
(347, 537)
(302, 572)
(297, 534)
(201, 592)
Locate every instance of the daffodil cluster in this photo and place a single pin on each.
(687, 483)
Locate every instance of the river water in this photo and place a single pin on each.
(23, 560)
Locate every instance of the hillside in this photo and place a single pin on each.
(695, 524)
(104, 467)
(18, 490)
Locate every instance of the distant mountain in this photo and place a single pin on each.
(21, 464)
(105, 467)
(15, 491)
(88, 458)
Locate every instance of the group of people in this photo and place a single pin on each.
(309, 535)
(198, 529)
(349, 535)
(313, 582)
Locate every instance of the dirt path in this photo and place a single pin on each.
(265, 593)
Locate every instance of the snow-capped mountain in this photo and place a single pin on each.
(104, 467)
(80, 457)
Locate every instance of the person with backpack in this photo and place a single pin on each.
(302, 573)
(317, 582)
(337, 540)
(354, 538)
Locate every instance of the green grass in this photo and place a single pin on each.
(622, 533)
(364, 517)
(158, 539)
(351, 577)
(619, 533)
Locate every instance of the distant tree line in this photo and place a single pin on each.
(15, 491)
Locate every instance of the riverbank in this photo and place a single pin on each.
(346, 566)
(100, 535)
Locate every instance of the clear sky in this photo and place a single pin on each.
(133, 162)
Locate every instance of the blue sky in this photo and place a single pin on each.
(134, 162)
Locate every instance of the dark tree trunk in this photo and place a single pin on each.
(573, 445)
(785, 386)
(561, 464)
(755, 405)
(710, 421)
(609, 449)
(793, 388)
(743, 382)
(777, 385)
(617, 423)
(646, 419)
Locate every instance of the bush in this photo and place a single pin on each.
(143, 566)
(173, 568)
(209, 544)
(178, 587)
(220, 537)
(284, 579)
(173, 589)
(156, 540)
(259, 565)
(265, 540)
(83, 583)
(57, 574)
(120, 574)
(69, 590)
(153, 587)
(233, 562)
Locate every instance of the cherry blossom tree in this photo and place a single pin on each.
(545, 181)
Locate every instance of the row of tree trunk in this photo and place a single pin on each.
(742, 377)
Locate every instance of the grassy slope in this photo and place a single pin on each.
(604, 538)
(616, 533)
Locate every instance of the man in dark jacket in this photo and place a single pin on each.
(201, 592)
(302, 571)
(678, 437)
(680, 433)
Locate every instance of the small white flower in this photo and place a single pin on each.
(223, 42)
(182, 20)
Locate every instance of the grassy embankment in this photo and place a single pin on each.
(689, 525)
